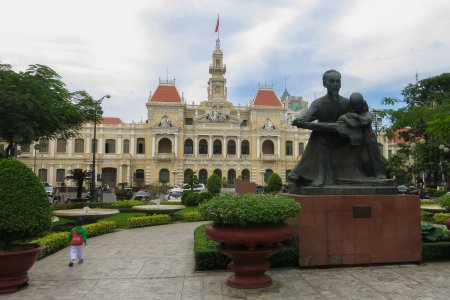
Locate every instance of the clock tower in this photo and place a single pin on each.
(217, 89)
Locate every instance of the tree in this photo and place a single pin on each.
(214, 184)
(274, 183)
(396, 168)
(79, 176)
(423, 124)
(36, 104)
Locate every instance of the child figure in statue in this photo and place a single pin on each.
(359, 116)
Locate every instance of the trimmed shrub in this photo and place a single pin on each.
(249, 208)
(274, 184)
(149, 220)
(192, 216)
(441, 218)
(58, 240)
(426, 216)
(124, 194)
(436, 251)
(187, 198)
(127, 203)
(444, 202)
(214, 184)
(24, 209)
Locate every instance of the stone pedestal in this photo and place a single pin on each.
(358, 229)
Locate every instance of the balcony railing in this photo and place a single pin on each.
(269, 156)
(165, 156)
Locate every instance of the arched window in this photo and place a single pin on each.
(140, 146)
(288, 148)
(217, 147)
(43, 145)
(217, 62)
(188, 173)
(139, 178)
(43, 175)
(246, 175)
(126, 146)
(218, 172)
(267, 175)
(301, 148)
(61, 146)
(188, 146)
(203, 176)
(231, 176)
(110, 146)
(203, 146)
(231, 147)
(245, 147)
(268, 147)
(60, 175)
(94, 146)
(164, 146)
(79, 145)
(164, 176)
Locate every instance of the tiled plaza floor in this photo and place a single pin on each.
(157, 263)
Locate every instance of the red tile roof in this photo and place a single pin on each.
(166, 93)
(266, 97)
(111, 120)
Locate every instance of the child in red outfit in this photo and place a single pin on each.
(77, 238)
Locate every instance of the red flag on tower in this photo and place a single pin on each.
(217, 24)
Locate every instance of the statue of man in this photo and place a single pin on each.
(317, 166)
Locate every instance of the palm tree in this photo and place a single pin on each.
(79, 176)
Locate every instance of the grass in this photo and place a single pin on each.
(121, 219)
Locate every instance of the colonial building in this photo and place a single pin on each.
(177, 139)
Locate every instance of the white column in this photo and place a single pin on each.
(132, 144)
(50, 176)
(88, 145)
(128, 174)
(279, 147)
(176, 145)
(120, 179)
(51, 148)
(100, 143)
(296, 148)
(153, 146)
(238, 150)
(210, 147)
(258, 155)
(224, 147)
(119, 145)
(70, 146)
(195, 146)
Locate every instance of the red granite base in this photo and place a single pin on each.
(359, 229)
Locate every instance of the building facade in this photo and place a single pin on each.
(177, 139)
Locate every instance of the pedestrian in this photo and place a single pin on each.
(77, 237)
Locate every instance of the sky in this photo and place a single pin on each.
(123, 48)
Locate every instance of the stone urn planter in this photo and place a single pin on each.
(249, 229)
(24, 214)
(249, 248)
(14, 268)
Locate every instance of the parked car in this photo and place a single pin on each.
(178, 191)
(49, 189)
(402, 189)
(261, 189)
(413, 190)
(142, 195)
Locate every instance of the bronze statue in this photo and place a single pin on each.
(342, 146)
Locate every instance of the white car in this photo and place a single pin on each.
(178, 191)
(49, 189)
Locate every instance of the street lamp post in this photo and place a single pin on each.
(36, 148)
(262, 176)
(94, 148)
(443, 150)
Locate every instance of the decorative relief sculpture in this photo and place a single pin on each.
(268, 124)
(165, 122)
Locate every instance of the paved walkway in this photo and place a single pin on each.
(157, 263)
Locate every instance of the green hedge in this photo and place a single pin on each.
(436, 251)
(208, 258)
(149, 220)
(121, 205)
(192, 216)
(58, 240)
(441, 218)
